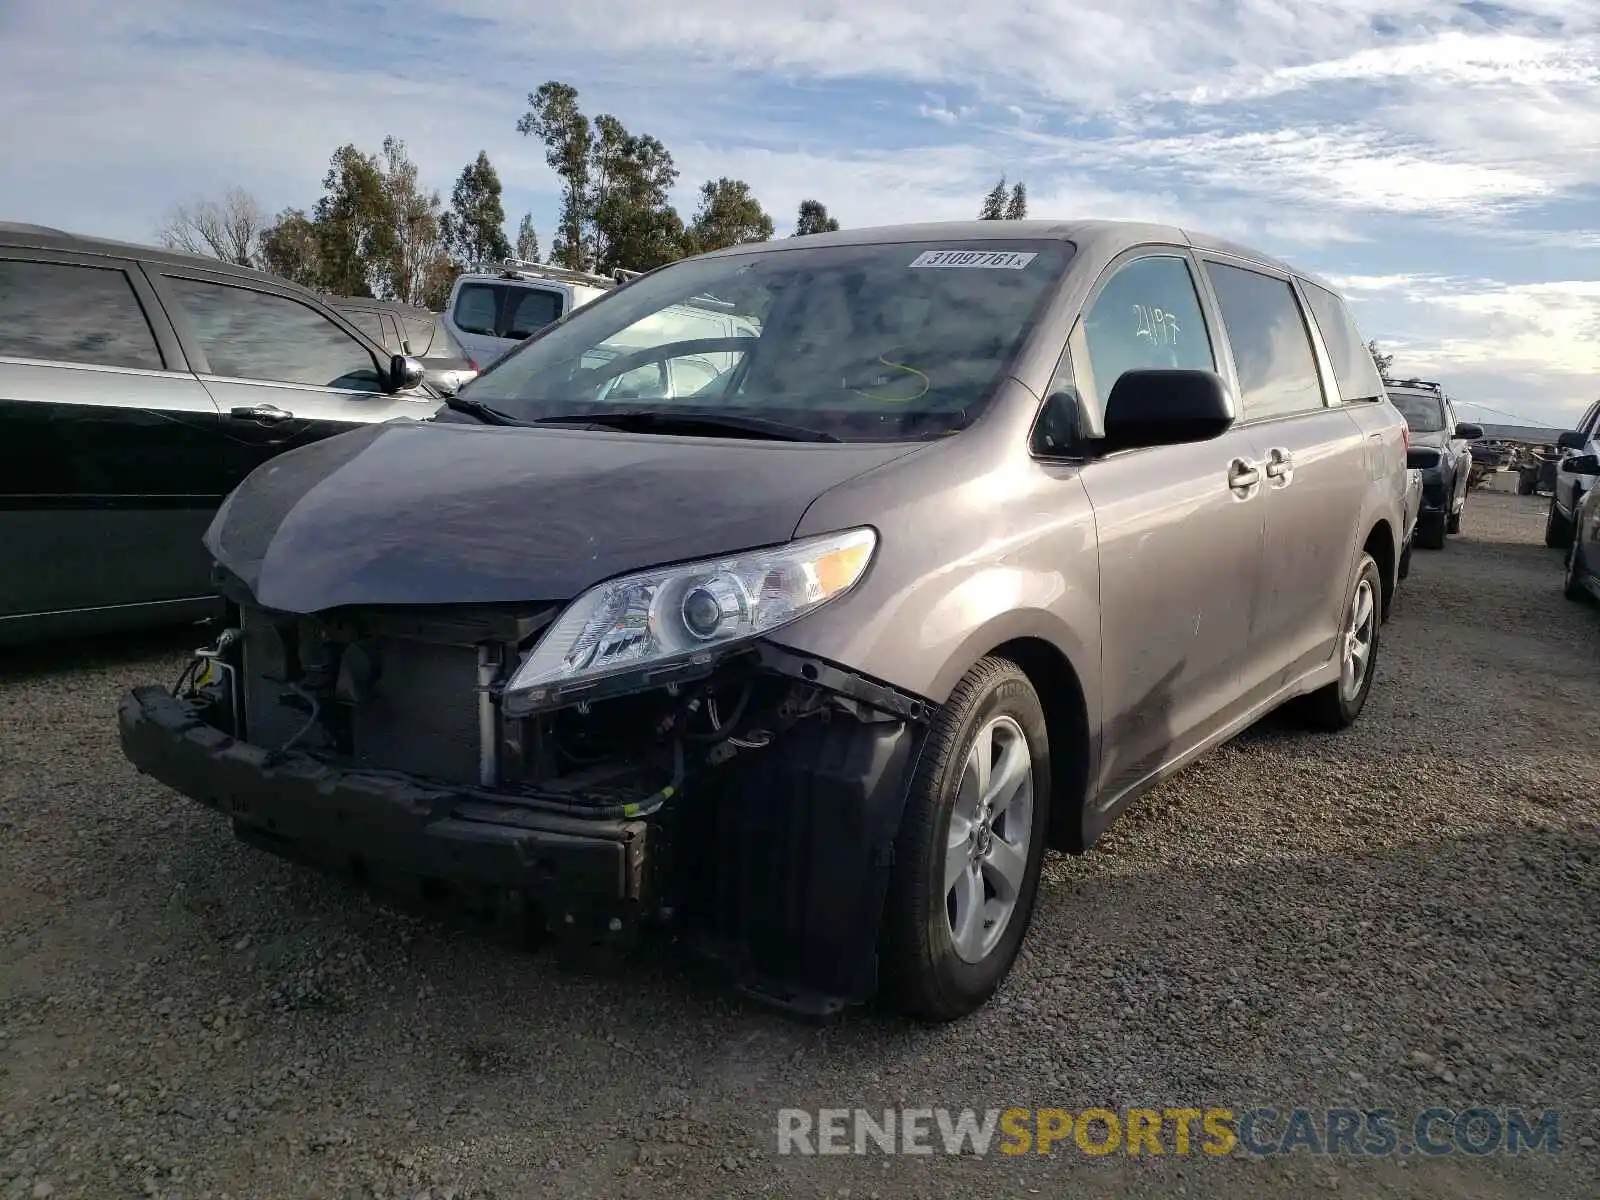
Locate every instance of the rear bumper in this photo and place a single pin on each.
(468, 838)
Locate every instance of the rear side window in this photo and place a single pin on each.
(367, 322)
(505, 310)
(530, 310)
(1271, 348)
(419, 333)
(1353, 368)
(1147, 316)
(66, 313)
(256, 335)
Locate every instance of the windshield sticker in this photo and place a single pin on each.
(993, 260)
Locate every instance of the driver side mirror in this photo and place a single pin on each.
(1582, 464)
(1470, 432)
(405, 372)
(1162, 407)
(1573, 439)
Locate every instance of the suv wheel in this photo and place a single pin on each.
(1453, 525)
(1337, 705)
(1431, 529)
(971, 843)
(1557, 529)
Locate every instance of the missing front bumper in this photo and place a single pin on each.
(459, 835)
(778, 862)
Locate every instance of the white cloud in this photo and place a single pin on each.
(1385, 139)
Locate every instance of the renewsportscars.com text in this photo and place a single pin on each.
(1261, 1131)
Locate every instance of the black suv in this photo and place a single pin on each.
(137, 387)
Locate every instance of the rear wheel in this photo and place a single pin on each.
(1431, 528)
(967, 859)
(1557, 529)
(1404, 568)
(1525, 485)
(1338, 704)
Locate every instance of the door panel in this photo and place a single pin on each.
(110, 462)
(1180, 549)
(108, 479)
(282, 373)
(1315, 474)
(1315, 489)
(1180, 556)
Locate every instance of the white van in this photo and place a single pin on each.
(489, 312)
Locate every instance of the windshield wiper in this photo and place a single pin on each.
(477, 408)
(655, 420)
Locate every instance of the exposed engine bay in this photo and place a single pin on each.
(754, 797)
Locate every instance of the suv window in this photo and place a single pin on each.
(1147, 315)
(1271, 348)
(255, 335)
(1353, 368)
(66, 313)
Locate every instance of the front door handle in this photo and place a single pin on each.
(1243, 474)
(1280, 464)
(267, 414)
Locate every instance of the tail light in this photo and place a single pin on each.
(472, 365)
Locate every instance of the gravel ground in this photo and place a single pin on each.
(1399, 916)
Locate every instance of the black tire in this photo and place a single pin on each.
(1525, 485)
(1404, 567)
(923, 977)
(1557, 529)
(1328, 708)
(1431, 529)
(1453, 525)
(1572, 586)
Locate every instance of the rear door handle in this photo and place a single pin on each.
(267, 414)
(1280, 464)
(1243, 474)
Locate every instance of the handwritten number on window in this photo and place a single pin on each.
(1156, 325)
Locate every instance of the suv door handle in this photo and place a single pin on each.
(1280, 464)
(1243, 474)
(268, 414)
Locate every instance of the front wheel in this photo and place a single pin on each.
(971, 843)
(1453, 525)
(1336, 705)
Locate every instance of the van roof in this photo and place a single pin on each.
(1109, 236)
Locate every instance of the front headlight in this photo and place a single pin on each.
(688, 612)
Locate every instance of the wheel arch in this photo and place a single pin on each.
(1066, 715)
(1380, 543)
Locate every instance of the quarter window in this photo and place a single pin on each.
(1147, 316)
(1271, 348)
(256, 335)
(76, 314)
(1353, 368)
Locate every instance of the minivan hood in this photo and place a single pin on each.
(410, 512)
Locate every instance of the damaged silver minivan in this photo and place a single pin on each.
(808, 641)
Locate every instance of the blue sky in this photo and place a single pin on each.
(1438, 159)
